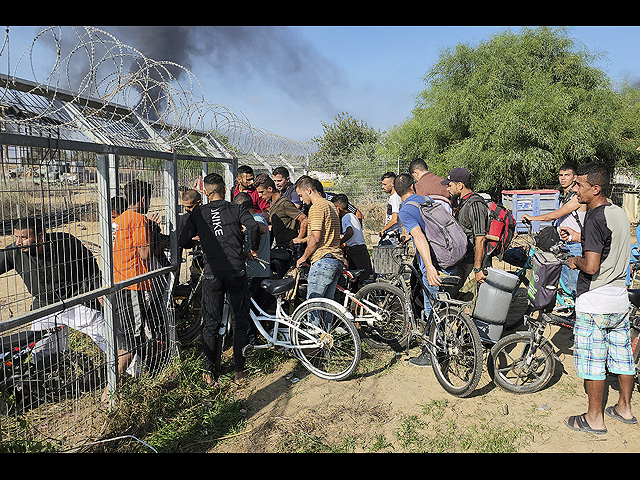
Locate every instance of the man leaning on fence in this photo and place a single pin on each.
(55, 267)
(218, 224)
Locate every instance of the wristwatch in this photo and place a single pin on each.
(476, 269)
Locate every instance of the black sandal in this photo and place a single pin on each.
(580, 424)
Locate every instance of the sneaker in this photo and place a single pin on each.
(422, 360)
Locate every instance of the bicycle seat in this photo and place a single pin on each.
(449, 280)
(353, 273)
(278, 286)
(634, 296)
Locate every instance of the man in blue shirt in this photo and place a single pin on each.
(412, 221)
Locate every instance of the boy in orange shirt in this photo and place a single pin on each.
(131, 257)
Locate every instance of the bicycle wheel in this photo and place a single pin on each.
(326, 340)
(387, 301)
(188, 316)
(456, 351)
(521, 367)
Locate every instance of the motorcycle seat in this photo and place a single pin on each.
(278, 286)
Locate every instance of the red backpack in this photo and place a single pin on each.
(502, 227)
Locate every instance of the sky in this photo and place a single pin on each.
(290, 80)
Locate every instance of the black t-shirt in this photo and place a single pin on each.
(64, 269)
(473, 217)
(219, 226)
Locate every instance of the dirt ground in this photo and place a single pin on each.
(375, 404)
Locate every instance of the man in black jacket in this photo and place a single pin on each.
(54, 267)
(218, 227)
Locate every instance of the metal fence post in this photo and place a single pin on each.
(171, 214)
(114, 175)
(230, 173)
(106, 247)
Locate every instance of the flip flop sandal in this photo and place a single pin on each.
(579, 423)
(613, 413)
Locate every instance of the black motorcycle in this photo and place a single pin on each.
(25, 383)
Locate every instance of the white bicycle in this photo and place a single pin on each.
(320, 332)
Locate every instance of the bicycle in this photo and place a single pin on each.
(524, 362)
(320, 332)
(187, 302)
(521, 257)
(449, 335)
(379, 309)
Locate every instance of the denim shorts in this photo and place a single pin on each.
(602, 343)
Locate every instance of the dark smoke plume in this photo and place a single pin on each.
(275, 54)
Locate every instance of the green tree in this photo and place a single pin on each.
(516, 107)
(342, 141)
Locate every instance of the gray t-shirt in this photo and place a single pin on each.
(606, 231)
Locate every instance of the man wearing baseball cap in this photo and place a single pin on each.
(473, 216)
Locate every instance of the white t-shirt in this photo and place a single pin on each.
(605, 299)
(570, 221)
(393, 206)
(350, 220)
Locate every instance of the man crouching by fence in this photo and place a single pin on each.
(218, 227)
(55, 267)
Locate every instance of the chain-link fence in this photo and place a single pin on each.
(89, 213)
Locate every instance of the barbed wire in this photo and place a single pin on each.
(88, 62)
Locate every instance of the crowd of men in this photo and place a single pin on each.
(269, 215)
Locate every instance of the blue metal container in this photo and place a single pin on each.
(531, 202)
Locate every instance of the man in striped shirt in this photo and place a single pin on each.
(323, 250)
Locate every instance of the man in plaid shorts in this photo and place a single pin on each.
(601, 331)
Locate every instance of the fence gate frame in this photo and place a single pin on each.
(153, 149)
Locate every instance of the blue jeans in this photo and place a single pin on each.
(323, 277)
(433, 290)
(568, 276)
